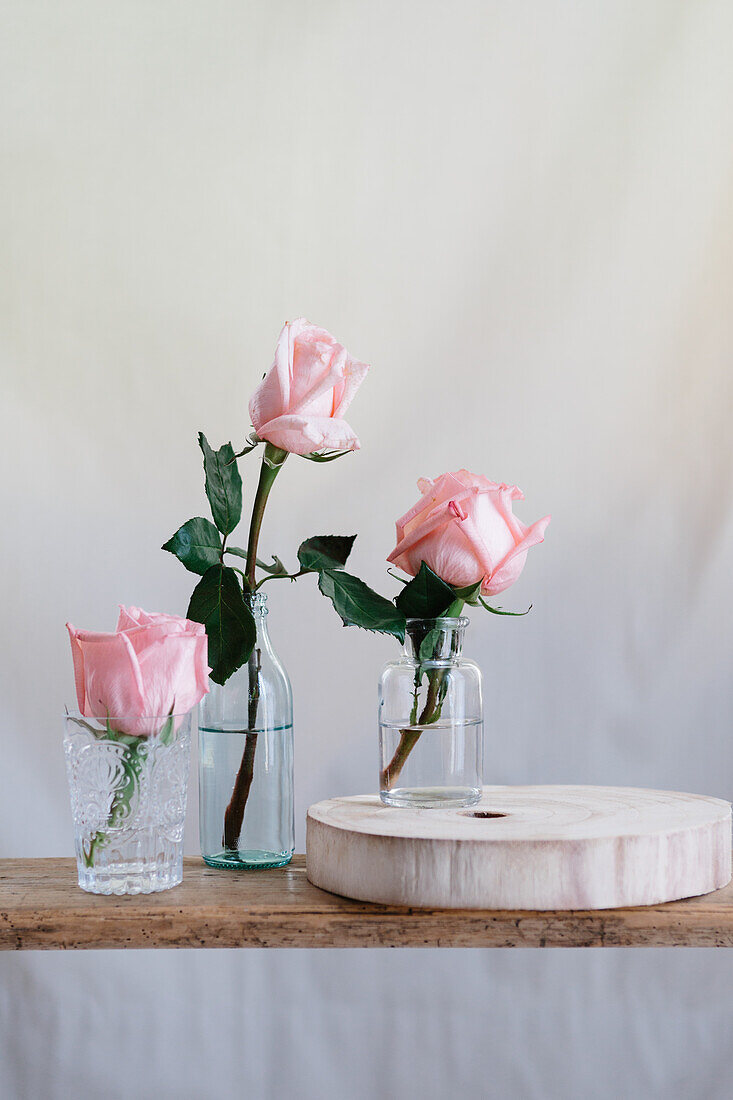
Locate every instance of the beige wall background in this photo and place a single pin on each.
(520, 214)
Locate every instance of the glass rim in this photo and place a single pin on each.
(77, 715)
(454, 621)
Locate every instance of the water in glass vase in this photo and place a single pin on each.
(443, 766)
(267, 826)
(246, 818)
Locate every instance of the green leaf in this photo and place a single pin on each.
(325, 456)
(131, 740)
(167, 731)
(431, 642)
(325, 552)
(469, 594)
(359, 605)
(500, 610)
(426, 596)
(253, 441)
(197, 545)
(277, 568)
(218, 603)
(223, 485)
(94, 730)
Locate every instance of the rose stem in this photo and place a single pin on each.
(272, 462)
(234, 814)
(430, 712)
(410, 737)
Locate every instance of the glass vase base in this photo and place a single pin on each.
(431, 798)
(248, 860)
(133, 877)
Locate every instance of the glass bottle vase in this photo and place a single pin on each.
(431, 720)
(246, 814)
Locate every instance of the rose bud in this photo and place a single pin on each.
(300, 403)
(152, 666)
(464, 529)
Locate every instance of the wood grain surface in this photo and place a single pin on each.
(41, 907)
(539, 847)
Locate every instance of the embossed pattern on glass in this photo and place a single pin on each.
(128, 803)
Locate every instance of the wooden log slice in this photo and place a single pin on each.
(545, 847)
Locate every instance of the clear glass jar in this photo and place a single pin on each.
(246, 805)
(127, 780)
(431, 720)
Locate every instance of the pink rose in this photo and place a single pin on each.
(464, 529)
(153, 665)
(300, 403)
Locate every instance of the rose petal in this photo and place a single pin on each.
(508, 570)
(464, 528)
(304, 434)
(354, 373)
(77, 654)
(312, 378)
(154, 664)
(272, 396)
(317, 382)
(168, 671)
(419, 526)
(113, 685)
(433, 493)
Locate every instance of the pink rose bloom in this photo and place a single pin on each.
(300, 403)
(464, 529)
(151, 666)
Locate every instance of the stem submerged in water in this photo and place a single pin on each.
(430, 713)
(234, 814)
(132, 760)
(410, 737)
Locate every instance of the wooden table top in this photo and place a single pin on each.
(41, 907)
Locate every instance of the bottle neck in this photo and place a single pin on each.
(434, 639)
(257, 603)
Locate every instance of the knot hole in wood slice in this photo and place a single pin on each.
(483, 814)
